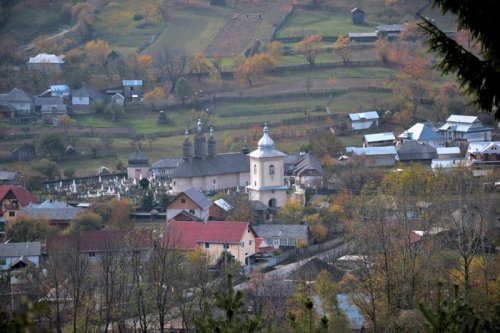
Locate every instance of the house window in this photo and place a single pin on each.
(255, 169)
(183, 200)
(242, 244)
(271, 169)
(12, 214)
(207, 245)
(226, 246)
(276, 242)
(250, 242)
(255, 183)
(92, 254)
(191, 211)
(214, 180)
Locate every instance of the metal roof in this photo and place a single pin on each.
(377, 137)
(414, 151)
(60, 88)
(18, 95)
(462, 119)
(297, 231)
(12, 250)
(369, 115)
(198, 198)
(223, 204)
(52, 214)
(8, 175)
(44, 58)
(420, 132)
(448, 150)
(386, 150)
(132, 82)
(167, 163)
(448, 163)
(211, 166)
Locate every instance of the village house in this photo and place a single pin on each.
(14, 198)
(219, 210)
(390, 31)
(138, 166)
(132, 89)
(59, 214)
(465, 128)
(15, 258)
(83, 99)
(308, 172)
(484, 152)
(46, 62)
(96, 244)
(209, 171)
(214, 238)
(374, 156)
(61, 90)
(422, 133)
(364, 120)
(12, 254)
(48, 102)
(117, 99)
(448, 152)
(284, 235)
(413, 151)
(17, 105)
(191, 201)
(378, 139)
(24, 152)
(10, 178)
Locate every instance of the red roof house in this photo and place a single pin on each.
(13, 198)
(212, 237)
(94, 243)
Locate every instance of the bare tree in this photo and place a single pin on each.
(164, 275)
(172, 63)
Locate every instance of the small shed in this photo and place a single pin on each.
(357, 16)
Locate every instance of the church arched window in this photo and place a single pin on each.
(271, 169)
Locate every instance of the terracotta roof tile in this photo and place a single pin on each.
(20, 193)
(187, 234)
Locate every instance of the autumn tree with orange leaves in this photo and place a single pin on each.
(412, 82)
(309, 47)
(342, 47)
(251, 69)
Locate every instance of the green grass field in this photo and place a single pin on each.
(192, 28)
(323, 23)
(25, 23)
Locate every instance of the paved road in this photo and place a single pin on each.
(329, 255)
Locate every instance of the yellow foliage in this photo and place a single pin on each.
(96, 52)
(155, 96)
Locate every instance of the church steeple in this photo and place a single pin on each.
(187, 147)
(199, 142)
(267, 173)
(245, 150)
(211, 144)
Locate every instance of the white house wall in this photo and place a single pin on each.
(210, 183)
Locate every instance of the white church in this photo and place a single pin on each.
(267, 173)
